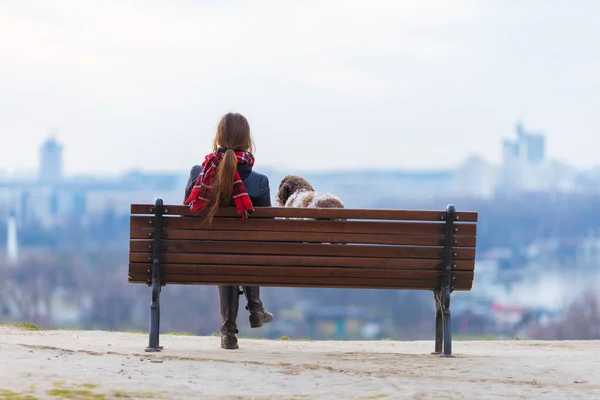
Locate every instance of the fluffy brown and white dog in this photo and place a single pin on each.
(295, 191)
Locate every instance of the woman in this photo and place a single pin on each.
(226, 178)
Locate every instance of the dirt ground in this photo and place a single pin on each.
(114, 365)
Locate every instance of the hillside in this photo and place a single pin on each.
(106, 365)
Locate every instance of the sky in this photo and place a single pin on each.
(384, 84)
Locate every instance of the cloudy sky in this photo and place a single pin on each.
(325, 84)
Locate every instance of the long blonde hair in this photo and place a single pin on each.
(233, 134)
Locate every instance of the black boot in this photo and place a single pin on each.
(258, 315)
(230, 300)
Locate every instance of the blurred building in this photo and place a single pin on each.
(51, 197)
(527, 147)
(12, 245)
(525, 168)
(51, 161)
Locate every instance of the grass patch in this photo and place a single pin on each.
(79, 394)
(180, 334)
(377, 396)
(85, 392)
(487, 338)
(29, 326)
(134, 331)
(475, 338)
(26, 326)
(124, 395)
(10, 395)
(284, 337)
(126, 331)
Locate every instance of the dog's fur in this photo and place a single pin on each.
(295, 191)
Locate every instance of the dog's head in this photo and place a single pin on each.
(290, 185)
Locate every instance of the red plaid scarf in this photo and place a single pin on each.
(200, 195)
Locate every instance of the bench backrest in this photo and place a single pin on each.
(379, 249)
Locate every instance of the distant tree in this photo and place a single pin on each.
(581, 322)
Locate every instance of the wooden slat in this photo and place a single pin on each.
(274, 212)
(397, 228)
(409, 285)
(301, 249)
(220, 235)
(354, 262)
(428, 284)
(284, 272)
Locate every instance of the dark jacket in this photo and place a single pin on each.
(257, 184)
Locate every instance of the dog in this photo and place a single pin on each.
(295, 191)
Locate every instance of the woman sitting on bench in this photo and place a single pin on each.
(226, 178)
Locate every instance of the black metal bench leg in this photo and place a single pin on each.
(153, 344)
(439, 326)
(158, 336)
(157, 278)
(447, 286)
(447, 324)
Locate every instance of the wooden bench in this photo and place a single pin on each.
(378, 249)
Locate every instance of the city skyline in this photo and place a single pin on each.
(524, 144)
(524, 168)
(392, 84)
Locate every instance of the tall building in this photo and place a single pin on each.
(535, 148)
(12, 245)
(528, 147)
(510, 150)
(524, 166)
(51, 161)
